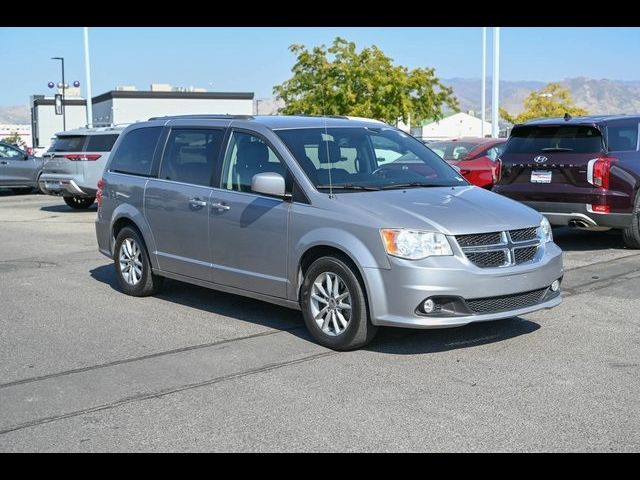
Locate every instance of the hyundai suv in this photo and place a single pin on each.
(582, 172)
(74, 163)
(353, 222)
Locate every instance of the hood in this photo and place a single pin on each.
(450, 210)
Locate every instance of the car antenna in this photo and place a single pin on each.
(567, 117)
(326, 142)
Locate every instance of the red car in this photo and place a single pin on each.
(477, 158)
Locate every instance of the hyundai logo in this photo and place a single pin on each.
(540, 159)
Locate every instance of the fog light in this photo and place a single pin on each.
(555, 286)
(428, 306)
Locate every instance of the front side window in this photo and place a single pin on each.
(622, 138)
(190, 155)
(248, 155)
(367, 158)
(135, 153)
(8, 152)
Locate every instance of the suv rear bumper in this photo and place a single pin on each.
(63, 185)
(561, 214)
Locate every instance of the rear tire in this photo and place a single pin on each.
(79, 203)
(133, 268)
(325, 309)
(631, 234)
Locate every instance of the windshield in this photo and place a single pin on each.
(367, 158)
(555, 138)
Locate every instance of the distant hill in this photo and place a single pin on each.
(596, 96)
(15, 114)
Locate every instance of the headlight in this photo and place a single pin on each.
(545, 233)
(414, 244)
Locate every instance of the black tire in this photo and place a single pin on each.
(631, 234)
(79, 203)
(359, 330)
(38, 188)
(148, 284)
(21, 190)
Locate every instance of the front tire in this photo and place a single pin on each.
(79, 203)
(334, 305)
(133, 268)
(631, 234)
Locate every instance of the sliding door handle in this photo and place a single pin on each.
(220, 206)
(197, 203)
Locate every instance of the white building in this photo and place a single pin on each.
(452, 126)
(128, 106)
(45, 123)
(23, 131)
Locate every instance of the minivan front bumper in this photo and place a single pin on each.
(395, 295)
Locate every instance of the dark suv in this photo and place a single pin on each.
(582, 172)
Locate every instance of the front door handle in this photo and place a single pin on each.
(220, 206)
(197, 203)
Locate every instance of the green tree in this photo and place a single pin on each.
(14, 139)
(341, 81)
(551, 101)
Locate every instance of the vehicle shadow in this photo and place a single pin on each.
(407, 341)
(65, 208)
(572, 239)
(388, 340)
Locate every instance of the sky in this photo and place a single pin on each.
(255, 59)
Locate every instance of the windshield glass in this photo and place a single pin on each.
(367, 158)
(555, 138)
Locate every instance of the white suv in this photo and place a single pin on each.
(74, 163)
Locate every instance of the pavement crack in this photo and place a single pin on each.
(143, 357)
(162, 393)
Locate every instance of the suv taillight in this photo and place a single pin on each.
(99, 192)
(497, 171)
(83, 157)
(598, 171)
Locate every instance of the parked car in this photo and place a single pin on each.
(583, 172)
(74, 163)
(309, 213)
(18, 169)
(476, 157)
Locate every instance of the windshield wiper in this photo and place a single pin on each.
(348, 186)
(557, 149)
(410, 184)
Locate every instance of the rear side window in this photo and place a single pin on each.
(135, 153)
(622, 138)
(68, 143)
(101, 143)
(555, 138)
(190, 155)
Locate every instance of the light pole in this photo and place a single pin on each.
(64, 121)
(495, 94)
(87, 69)
(484, 81)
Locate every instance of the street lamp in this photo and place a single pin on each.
(64, 122)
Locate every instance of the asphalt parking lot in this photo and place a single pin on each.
(86, 368)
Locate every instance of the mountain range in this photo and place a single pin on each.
(596, 96)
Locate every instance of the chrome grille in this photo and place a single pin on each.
(478, 239)
(500, 249)
(506, 302)
(523, 234)
(494, 258)
(526, 254)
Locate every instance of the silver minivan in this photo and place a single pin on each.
(74, 163)
(354, 222)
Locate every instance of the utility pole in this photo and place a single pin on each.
(484, 81)
(87, 69)
(495, 107)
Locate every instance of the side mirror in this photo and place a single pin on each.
(268, 183)
(26, 156)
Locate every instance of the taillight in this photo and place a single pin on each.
(99, 192)
(599, 171)
(83, 157)
(497, 171)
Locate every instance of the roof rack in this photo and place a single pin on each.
(205, 116)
